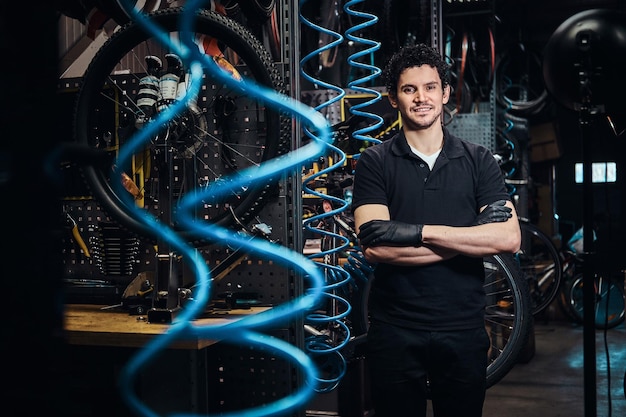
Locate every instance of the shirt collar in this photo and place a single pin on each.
(452, 147)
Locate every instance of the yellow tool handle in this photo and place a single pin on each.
(80, 241)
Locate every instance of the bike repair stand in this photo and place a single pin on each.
(586, 116)
(588, 113)
(168, 279)
(165, 307)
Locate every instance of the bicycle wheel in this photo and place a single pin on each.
(609, 301)
(508, 317)
(541, 265)
(222, 132)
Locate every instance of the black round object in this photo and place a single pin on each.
(591, 43)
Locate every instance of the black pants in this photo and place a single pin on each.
(409, 367)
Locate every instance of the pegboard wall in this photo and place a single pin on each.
(115, 256)
(476, 127)
(241, 377)
(339, 111)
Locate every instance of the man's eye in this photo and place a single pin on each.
(409, 90)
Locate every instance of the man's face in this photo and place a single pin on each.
(420, 97)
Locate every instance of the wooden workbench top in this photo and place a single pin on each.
(89, 324)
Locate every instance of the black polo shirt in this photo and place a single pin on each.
(447, 295)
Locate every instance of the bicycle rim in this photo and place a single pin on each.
(222, 133)
(609, 304)
(564, 298)
(541, 265)
(508, 317)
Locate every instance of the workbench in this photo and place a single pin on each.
(101, 342)
(97, 325)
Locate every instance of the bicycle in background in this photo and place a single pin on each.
(609, 294)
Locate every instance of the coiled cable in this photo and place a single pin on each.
(325, 345)
(365, 47)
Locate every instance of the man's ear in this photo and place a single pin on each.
(446, 94)
(393, 101)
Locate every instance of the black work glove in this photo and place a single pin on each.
(390, 232)
(493, 213)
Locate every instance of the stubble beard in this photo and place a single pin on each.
(421, 124)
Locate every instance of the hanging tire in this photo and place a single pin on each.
(222, 133)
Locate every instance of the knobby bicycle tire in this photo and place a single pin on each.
(609, 301)
(223, 132)
(541, 264)
(508, 317)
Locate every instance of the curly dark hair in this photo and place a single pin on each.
(414, 56)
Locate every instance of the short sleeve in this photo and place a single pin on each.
(369, 183)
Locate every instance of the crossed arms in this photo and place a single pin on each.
(496, 230)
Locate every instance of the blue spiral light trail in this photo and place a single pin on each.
(246, 330)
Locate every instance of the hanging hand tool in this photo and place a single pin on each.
(77, 237)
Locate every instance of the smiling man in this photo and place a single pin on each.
(428, 206)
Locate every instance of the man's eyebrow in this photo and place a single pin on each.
(429, 83)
